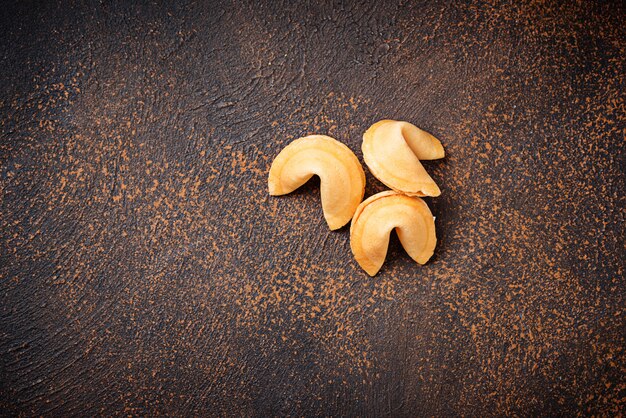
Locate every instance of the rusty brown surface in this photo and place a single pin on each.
(145, 270)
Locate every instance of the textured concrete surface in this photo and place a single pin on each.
(145, 270)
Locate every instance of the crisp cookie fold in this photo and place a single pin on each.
(381, 213)
(392, 150)
(342, 180)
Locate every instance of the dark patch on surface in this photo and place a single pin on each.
(144, 269)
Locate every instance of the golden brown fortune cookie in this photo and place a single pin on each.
(392, 150)
(381, 213)
(342, 180)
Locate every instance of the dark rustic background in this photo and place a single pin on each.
(145, 270)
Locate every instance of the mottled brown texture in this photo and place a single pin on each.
(145, 270)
